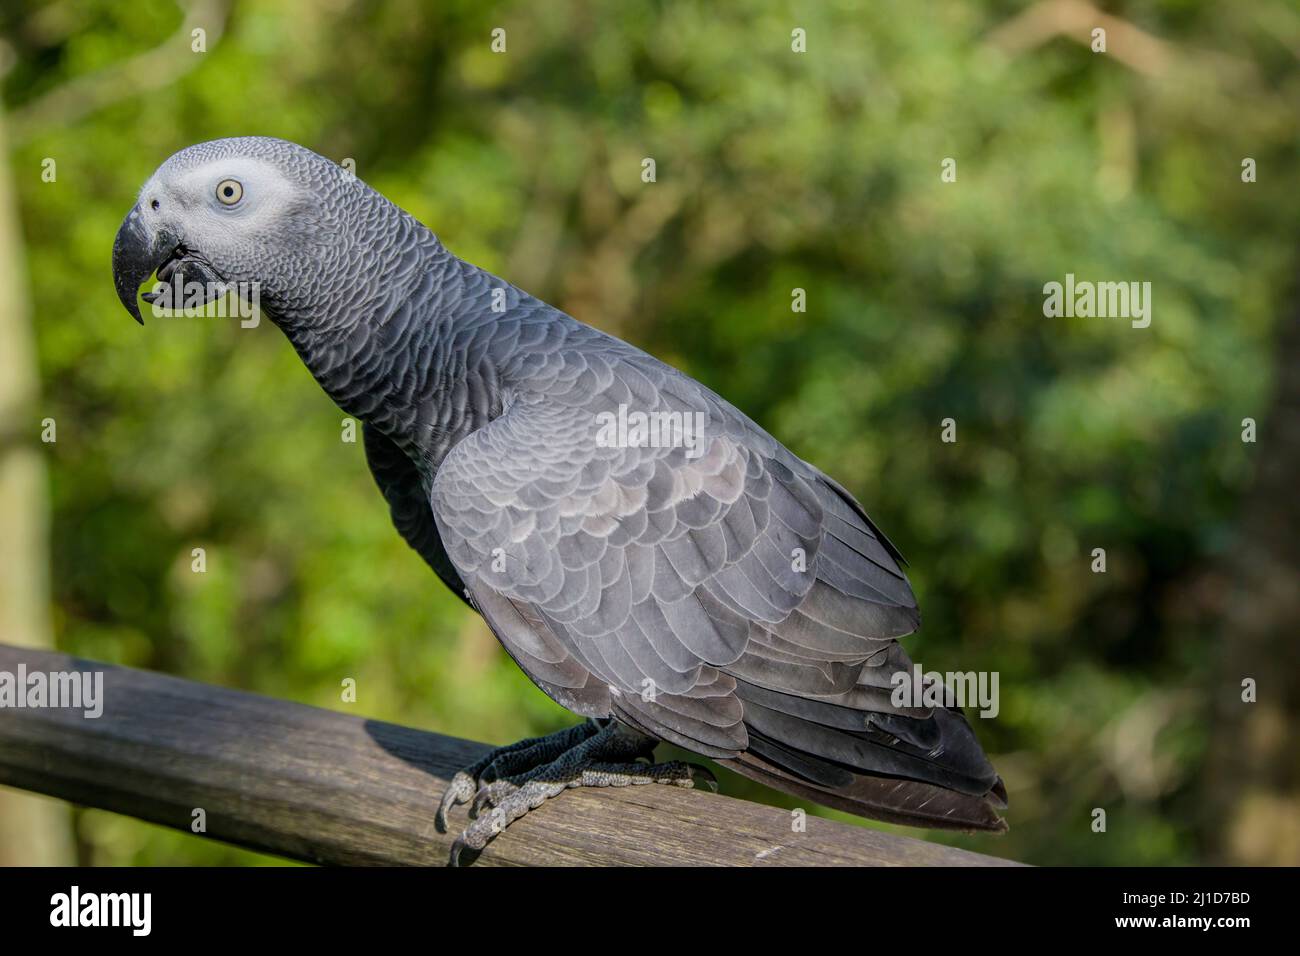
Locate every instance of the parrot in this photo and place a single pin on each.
(651, 558)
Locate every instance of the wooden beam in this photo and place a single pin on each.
(328, 787)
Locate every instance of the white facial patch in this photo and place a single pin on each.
(189, 194)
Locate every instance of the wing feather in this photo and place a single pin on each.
(720, 594)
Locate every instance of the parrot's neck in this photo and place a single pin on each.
(412, 358)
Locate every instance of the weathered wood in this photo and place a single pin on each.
(328, 787)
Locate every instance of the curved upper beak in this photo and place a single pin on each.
(137, 253)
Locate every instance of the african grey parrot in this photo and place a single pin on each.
(707, 588)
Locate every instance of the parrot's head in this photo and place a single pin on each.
(249, 212)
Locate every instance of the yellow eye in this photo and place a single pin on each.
(229, 192)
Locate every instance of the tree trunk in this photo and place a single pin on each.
(33, 831)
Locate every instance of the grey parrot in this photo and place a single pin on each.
(689, 581)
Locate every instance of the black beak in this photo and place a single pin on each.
(137, 253)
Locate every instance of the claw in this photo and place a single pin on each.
(476, 836)
(704, 774)
(490, 794)
(457, 847)
(460, 790)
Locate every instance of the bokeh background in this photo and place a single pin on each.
(775, 170)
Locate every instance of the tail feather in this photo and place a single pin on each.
(891, 799)
(918, 771)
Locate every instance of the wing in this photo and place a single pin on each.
(524, 638)
(723, 594)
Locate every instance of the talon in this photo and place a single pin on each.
(457, 847)
(705, 774)
(477, 835)
(458, 791)
(489, 795)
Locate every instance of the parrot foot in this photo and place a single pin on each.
(510, 781)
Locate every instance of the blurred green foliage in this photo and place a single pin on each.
(775, 170)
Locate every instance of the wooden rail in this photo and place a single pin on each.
(328, 787)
